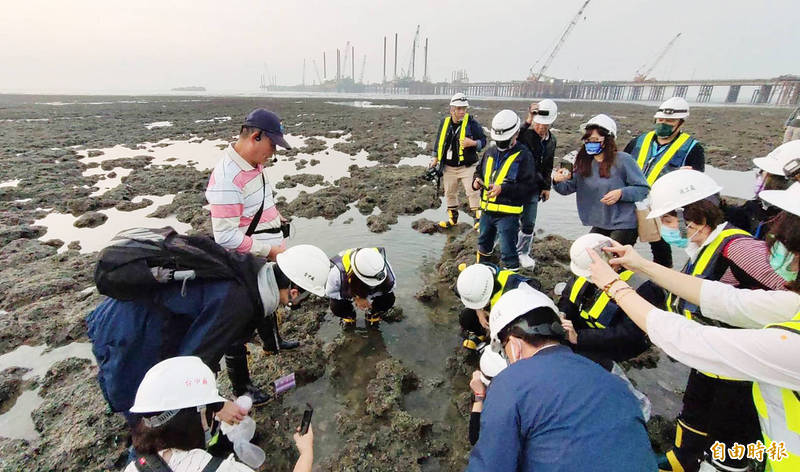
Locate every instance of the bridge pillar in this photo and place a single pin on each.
(733, 94)
(704, 95)
(681, 91)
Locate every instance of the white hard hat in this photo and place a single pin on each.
(491, 364)
(579, 259)
(369, 266)
(678, 189)
(551, 108)
(774, 162)
(511, 306)
(459, 100)
(505, 125)
(603, 121)
(787, 200)
(176, 383)
(673, 108)
(474, 285)
(307, 266)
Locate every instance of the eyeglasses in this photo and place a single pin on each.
(540, 112)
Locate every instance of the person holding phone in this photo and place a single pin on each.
(607, 183)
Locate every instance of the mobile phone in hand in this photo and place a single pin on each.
(306, 419)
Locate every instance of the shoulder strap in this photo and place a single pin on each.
(213, 464)
(151, 463)
(252, 228)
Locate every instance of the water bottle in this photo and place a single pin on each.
(241, 434)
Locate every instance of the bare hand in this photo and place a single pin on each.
(572, 335)
(544, 195)
(433, 163)
(304, 443)
(468, 142)
(477, 184)
(275, 250)
(482, 318)
(561, 175)
(478, 388)
(625, 256)
(494, 190)
(602, 273)
(612, 197)
(362, 303)
(231, 413)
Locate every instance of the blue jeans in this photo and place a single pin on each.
(527, 220)
(507, 226)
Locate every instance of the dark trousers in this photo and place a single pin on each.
(469, 322)
(507, 228)
(662, 253)
(345, 308)
(622, 236)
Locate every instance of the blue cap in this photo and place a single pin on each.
(269, 123)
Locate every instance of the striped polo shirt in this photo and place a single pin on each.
(235, 191)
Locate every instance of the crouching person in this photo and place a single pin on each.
(551, 409)
(175, 413)
(361, 276)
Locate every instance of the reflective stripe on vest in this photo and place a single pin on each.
(705, 263)
(502, 279)
(443, 134)
(489, 204)
(593, 315)
(343, 261)
(644, 153)
(779, 413)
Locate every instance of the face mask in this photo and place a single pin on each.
(664, 130)
(593, 148)
(780, 259)
(503, 145)
(672, 236)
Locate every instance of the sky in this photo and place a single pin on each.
(153, 46)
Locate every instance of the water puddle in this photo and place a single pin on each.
(365, 104)
(9, 183)
(17, 422)
(158, 124)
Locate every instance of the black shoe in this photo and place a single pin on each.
(239, 374)
(259, 396)
(288, 344)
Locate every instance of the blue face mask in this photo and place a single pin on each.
(672, 236)
(780, 259)
(593, 148)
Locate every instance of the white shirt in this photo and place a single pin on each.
(747, 308)
(194, 461)
(760, 355)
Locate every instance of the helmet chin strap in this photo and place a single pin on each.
(682, 223)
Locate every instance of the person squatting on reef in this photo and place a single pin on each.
(755, 215)
(551, 409)
(765, 352)
(595, 326)
(536, 135)
(508, 178)
(243, 213)
(174, 417)
(459, 139)
(362, 276)
(480, 286)
(685, 201)
(203, 318)
(664, 149)
(607, 183)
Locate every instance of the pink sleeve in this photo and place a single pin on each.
(752, 256)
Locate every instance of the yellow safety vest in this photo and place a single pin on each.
(779, 413)
(344, 262)
(705, 262)
(644, 152)
(443, 133)
(489, 204)
(502, 279)
(593, 315)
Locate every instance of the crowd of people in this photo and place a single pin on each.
(549, 393)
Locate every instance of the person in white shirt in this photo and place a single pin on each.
(767, 354)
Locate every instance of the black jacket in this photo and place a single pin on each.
(696, 159)
(543, 154)
(474, 131)
(520, 182)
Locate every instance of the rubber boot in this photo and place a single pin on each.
(347, 323)
(452, 218)
(373, 319)
(481, 256)
(476, 223)
(474, 342)
(524, 249)
(288, 343)
(239, 375)
(690, 446)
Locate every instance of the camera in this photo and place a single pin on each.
(432, 173)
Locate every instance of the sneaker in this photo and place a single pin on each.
(527, 261)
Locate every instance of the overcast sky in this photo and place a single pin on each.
(151, 46)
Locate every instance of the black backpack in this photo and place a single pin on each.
(139, 260)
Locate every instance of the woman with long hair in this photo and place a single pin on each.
(607, 183)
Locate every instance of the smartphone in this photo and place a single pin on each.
(599, 250)
(306, 419)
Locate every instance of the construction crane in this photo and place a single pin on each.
(316, 69)
(412, 59)
(538, 75)
(363, 64)
(642, 76)
(346, 55)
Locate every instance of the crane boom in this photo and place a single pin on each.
(412, 59)
(641, 77)
(561, 41)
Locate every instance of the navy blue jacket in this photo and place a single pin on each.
(520, 182)
(560, 412)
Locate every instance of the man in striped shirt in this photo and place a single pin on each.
(239, 190)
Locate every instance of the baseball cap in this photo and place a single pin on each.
(269, 123)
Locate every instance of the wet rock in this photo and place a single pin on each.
(74, 245)
(646, 360)
(10, 387)
(22, 231)
(380, 223)
(90, 220)
(130, 206)
(136, 162)
(662, 433)
(111, 175)
(94, 153)
(385, 391)
(427, 293)
(393, 315)
(425, 226)
(24, 251)
(56, 243)
(313, 162)
(301, 164)
(309, 180)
